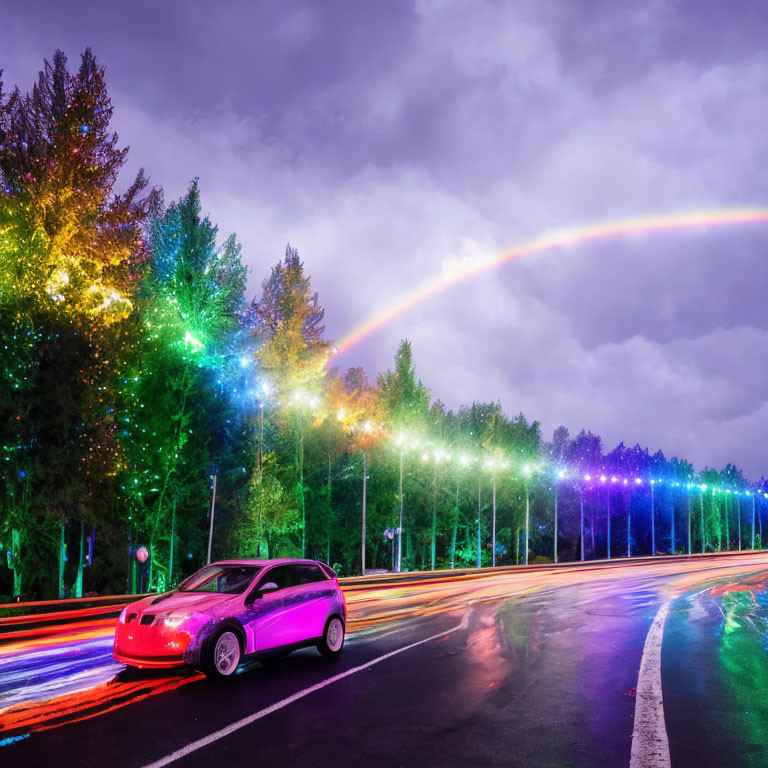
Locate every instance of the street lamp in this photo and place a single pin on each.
(490, 464)
(719, 529)
(587, 478)
(302, 398)
(603, 479)
(463, 461)
(638, 481)
(479, 540)
(527, 474)
(560, 476)
(400, 442)
(439, 456)
(213, 508)
(367, 427)
(653, 520)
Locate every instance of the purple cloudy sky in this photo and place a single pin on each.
(385, 139)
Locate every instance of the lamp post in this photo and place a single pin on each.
(629, 517)
(479, 541)
(653, 520)
(719, 528)
(587, 478)
(527, 473)
(491, 465)
(400, 524)
(464, 461)
(455, 527)
(702, 488)
(753, 519)
(400, 442)
(367, 427)
(213, 509)
(362, 531)
(560, 476)
(603, 479)
(493, 525)
(302, 398)
(672, 534)
(425, 458)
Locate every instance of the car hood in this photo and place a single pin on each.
(202, 602)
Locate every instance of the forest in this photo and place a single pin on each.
(153, 414)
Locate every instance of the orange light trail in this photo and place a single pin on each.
(548, 241)
(376, 604)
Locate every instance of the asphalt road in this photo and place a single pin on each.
(515, 669)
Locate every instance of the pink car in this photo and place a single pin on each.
(235, 609)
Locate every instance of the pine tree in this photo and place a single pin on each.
(287, 321)
(177, 395)
(292, 357)
(67, 245)
(404, 398)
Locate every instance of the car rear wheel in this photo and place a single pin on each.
(223, 655)
(333, 638)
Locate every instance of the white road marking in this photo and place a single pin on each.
(246, 721)
(650, 744)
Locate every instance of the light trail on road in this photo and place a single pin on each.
(45, 683)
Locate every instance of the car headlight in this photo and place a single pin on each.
(173, 619)
(123, 613)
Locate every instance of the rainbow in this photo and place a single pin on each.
(548, 241)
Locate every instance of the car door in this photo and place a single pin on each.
(314, 595)
(268, 620)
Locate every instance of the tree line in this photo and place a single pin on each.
(138, 376)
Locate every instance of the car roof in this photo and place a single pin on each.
(264, 563)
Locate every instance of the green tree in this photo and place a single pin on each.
(67, 245)
(292, 355)
(269, 516)
(185, 369)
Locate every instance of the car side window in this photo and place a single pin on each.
(307, 573)
(281, 575)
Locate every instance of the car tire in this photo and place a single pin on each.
(222, 655)
(332, 641)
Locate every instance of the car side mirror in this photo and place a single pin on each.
(265, 589)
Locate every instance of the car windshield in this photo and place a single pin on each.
(224, 579)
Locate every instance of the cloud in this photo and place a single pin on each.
(387, 147)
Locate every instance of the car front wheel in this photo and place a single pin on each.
(223, 655)
(333, 638)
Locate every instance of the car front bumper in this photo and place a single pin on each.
(149, 662)
(149, 647)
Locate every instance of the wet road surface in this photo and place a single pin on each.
(514, 669)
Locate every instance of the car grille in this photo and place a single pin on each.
(146, 620)
(131, 617)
